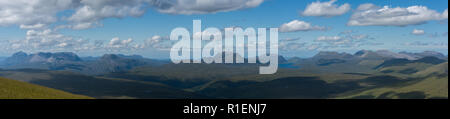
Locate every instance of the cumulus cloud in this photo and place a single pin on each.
(346, 39)
(91, 12)
(117, 43)
(47, 40)
(153, 41)
(360, 37)
(188, 7)
(336, 41)
(292, 46)
(372, 15)
(297, 25)
(43, 19)
(35, 26)
(158, 42)
(291, 39)
(366, 6)
(445, 14)
(418, 32)
(427, 44)
(326, 9)
(32, 12)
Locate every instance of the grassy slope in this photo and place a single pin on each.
(97, 87)
(434, 85)
(429, 88)
(438, 69)
(10, 89)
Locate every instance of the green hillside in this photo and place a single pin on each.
(429, 88)
(99, 87)
(11, 89)
(441, 69)
(433, 84)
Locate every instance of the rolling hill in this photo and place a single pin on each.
(430, 83)
(97, 87)
(11, 89)
(68, 61)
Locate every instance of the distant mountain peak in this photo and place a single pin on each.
(401, 62)
(362, 52)
(110, 56)
(332, 55)
(19, 54)
(41, 57)
(382, 54)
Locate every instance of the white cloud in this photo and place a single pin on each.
(35, 26)
(326, 9)
(50, 39)
(92, 11)
(297, 25)
(31, 12)
(202, 6)
(291, 39)
(329, 38)
(345, 40)
(366, 6)
(418, 32)
(359, 37)
(117, 43)
(153, 40)
(34, 14)
(156, 38)
(158, 42)
(292, 46)
(85, 25)
(435, 45)
(46, 40)
(42, 19)
(372, 15)
(445, 14)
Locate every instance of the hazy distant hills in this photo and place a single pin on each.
(21, 58)
(361, 61)
(118, 63)
(429, 83)
(71, 62)
(400, 62)
(378, 55)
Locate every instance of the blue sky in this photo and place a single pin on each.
(156, 21)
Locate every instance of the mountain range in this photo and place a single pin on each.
(119, 62)
(70, 61)
(364, 74)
